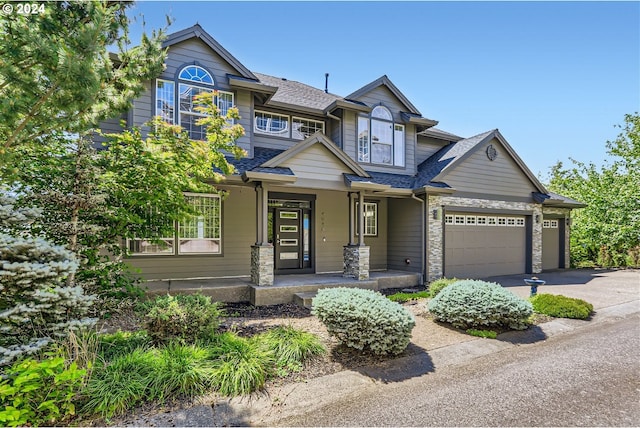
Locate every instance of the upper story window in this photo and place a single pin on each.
(271, 123)
(191, 81)
(278, 125)
(380, 140)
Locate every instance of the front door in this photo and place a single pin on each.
(288, 232)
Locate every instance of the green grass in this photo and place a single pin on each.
(405, 297)
(121, 384)
(561, 306)
(183, 370)
(290, 347)
(121, 343)
(489, 334)
(239, 366)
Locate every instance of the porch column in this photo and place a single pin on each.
(262, 251)
(356, 257)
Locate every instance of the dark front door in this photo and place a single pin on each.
(288, 238)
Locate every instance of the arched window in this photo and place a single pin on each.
(380, 140)
(191, 81)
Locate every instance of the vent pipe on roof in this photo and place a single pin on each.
(326, 83)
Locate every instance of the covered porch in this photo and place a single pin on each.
(284, 288)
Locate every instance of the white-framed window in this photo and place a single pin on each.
(304, 128)
(201, 233)
(165, 100)
(471, 220)
(511, 221)
(380, 140)
(192, 80)
(198, 234)
(492, 221)
(502, 221)
(369, 218)
(459, 219)
(481, 221)
(554, 224)
(448, 219)
(271, 124)
(520, 222)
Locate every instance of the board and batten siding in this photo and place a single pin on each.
(238, 234)
(404, 235)
(478, 174)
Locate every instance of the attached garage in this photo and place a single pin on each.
(478, 246)
(551, 244)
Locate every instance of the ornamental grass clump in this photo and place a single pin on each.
(561, 306)
(472, 304)
(440, 284)
(364, 319)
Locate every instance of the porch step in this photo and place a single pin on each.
(304, 299)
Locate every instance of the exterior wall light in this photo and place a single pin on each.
(537, 218)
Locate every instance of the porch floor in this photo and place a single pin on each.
(284, 287)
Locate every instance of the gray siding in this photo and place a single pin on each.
(195, 51)
(280, 143)
(110, 126)
(378, 244)
(404, 235)
(334, 131)
(382, 95)
(426, 147)
(238, 234)
(317, 163)
(477, 174)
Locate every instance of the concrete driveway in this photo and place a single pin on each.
(600, 287)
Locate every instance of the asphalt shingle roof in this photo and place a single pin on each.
(296, 93)
(260, 156)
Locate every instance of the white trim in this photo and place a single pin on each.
(282, 133)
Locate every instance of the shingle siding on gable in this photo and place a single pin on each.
(196, 51)
(478, 174)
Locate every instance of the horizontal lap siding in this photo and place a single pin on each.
(317, 163)
(378, 244)
(349, 125)
(426, 147)
(404, 235)
(478, 174)
(238, 234)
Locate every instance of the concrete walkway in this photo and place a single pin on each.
(614, 295)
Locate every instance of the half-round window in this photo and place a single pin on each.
(381, 112)
(195, 73)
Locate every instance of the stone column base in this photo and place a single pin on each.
(262, 264)
(356, 262)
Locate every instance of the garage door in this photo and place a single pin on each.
(478, 246)
(550, 244)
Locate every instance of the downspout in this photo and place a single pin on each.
(423, 242)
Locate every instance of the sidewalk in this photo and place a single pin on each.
(614, 295)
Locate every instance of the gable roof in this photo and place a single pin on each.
(440, 134)
(384, 81)
(317, 138)
(449, 157)
(197, 31)
(292, 93)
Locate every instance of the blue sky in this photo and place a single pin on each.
(554, 77)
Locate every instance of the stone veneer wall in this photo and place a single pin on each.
(566, 213)
(356, 262)
(436, 233)
(262, 264)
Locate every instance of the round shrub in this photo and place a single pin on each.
(364, 319)
(182, 317)
(439, 284)
(470, 303)
(561, 306)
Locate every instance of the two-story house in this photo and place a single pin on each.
(349, 184)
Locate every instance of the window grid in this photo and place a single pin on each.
(369, 218)
(448, 219)
(271, 123)
(165, 100)
(472, 220)
(304, 128)
(380, 140)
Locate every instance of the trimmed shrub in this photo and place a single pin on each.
(182, 317)
(470, 304)
(561, 306)
(405, 297)
(439, 284)
(364, 319)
